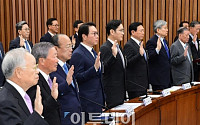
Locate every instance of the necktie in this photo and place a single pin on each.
(166, 48)
(28, 103)
(94, 53)
(121, 55)
(187, 54)
(66, 71)
(27, 46)
(50, 82)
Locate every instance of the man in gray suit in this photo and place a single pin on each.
(181, 58)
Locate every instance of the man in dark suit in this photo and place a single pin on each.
(159, 57)
(68, 89)
(113, 75)
(19, 68)
(53, 27)
(182, 24)
(181, 59)
(46, 58)
(74, 38)
(136, 70)
(22, 40)
(194, 45)
(2, 77)
(87, 70)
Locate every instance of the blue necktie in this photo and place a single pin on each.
(166, 48)
(95, 56)
(27, 46)
(66, 71)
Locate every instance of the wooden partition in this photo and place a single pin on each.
(36, 13)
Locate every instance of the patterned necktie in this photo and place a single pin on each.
(50, 82)
(166, 48)
(121, 55)
(27, 46)
(66, 71)
(28, 103)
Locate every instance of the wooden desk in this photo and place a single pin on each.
(182, 107)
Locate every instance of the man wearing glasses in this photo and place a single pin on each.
(53, 27)
(22, 40)
(68, 89)
(87, 70)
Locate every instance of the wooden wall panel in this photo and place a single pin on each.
(36, 13)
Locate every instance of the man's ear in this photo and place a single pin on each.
(112, 31)
(84, 37)
(41, 61)
(18, 72)
(132, 32)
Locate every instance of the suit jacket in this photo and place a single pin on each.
(2, 77)
(68, 96)
(13, 110)
(16, 44)
(46, 38)
(77, 41)
(113, 76)
(136, 70)
(51, 111)
(159, 64)
(195, 55)
(88, 79)
(182, 68)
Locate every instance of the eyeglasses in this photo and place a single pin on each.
(69, 46)
(95, 33)
(56, 25)
(121, 30)
(35, 67)
(27, 29)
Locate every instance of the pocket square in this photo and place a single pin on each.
(65, 114)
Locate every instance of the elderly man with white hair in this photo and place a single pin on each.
(20, 70)
(159, 57)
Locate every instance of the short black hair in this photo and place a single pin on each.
(113, 24)
(84, 29)
(193, 23)
(181, 30)
(181, 24)
(19, 25)
(75, 25)
(49, 21)
(133, 26)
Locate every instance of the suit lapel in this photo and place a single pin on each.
(44, 84)
(16, 94)
(87, 53)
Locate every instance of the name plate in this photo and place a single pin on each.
(186, 86)
(147, 101)
(166, 92)
(129, 111)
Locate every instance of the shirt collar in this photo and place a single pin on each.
(183, 44)
(44, 75)
(111, 41)
(61, 63)
(161, 38)
(137, 41)
(17, 87)
(51, 33)
(87, 47)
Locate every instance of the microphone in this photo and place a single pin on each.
(141, 87)
(110, 118)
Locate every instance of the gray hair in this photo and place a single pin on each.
(13, 59)
(158, 24)
(41, 50)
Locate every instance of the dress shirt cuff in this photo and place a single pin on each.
(157, 51)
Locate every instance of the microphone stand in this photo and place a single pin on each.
(110, 118)
(141, 99)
